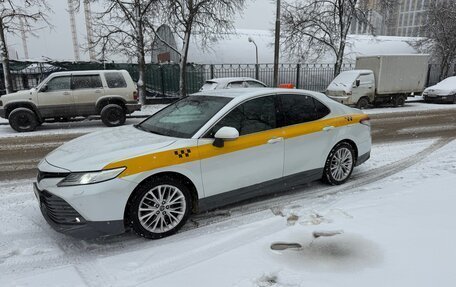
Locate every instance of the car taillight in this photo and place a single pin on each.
(365, 121)
(135, 95)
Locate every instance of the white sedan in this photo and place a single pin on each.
(231, 83)
(443, 92)
(205, 151)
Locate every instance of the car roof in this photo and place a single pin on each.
(246, 93)
(231, 79)
(86, 72)
(358, 72)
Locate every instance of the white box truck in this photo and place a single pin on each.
(385, 79)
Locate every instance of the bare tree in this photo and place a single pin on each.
(123, 27)
(208, 20)
(314, 27)
(440, 31)
(16, 17)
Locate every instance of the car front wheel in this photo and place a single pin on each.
(23, 120)
(160, 207)
(113, 115)
(339, 164)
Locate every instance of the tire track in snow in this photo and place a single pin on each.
(361, 179)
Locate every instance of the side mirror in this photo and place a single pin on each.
(225, 134)
(358, 83)
(44, 88)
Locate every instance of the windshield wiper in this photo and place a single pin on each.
(140, 127)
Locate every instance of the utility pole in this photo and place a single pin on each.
(74, 32)
(88, 20)
(24, 39)
(277, 46)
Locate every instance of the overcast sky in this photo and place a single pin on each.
(57, 43)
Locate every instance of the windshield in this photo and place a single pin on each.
(209, 86)
(345, 79)
(184, 118)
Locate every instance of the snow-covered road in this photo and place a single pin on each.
(397, 217)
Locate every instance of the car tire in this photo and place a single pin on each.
(363, 103)
(23, 120)
(399, 101)
(159, 207)
(339, 164)
(113, 115)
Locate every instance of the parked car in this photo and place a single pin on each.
(63, 95)
(204, 151)
(385, 79)
(231, 83)
(443, 92)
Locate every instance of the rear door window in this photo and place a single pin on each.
(209, 86)
(234, 85)
(115, 80)
(253, 84)
(86, 82)
(299, 109)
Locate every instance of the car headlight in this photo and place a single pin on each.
(82, 178)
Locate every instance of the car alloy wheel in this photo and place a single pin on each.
(159, 207)
(341, 164)
(162, 208)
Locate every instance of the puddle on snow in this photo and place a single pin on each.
(344, 252)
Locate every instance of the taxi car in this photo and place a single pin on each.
(204, 151)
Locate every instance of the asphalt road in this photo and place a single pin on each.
(19, 156)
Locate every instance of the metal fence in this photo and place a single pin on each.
(163, 80)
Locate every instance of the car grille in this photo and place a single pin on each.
(59, 210)
(43, 174)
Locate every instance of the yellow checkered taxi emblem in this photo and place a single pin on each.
(182, 153)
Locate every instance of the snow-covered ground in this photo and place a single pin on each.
(398, 229)
(79, 127)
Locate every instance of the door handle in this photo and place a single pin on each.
(275, 140)
(328, 128)
(66, 93)
(97, 91)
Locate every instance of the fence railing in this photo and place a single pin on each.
(163, 80)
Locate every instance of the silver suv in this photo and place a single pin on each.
(64, 95)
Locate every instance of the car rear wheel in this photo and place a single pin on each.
(23, 120)
(339, 164)
(113, 115)
(159, 208)
(399, 101)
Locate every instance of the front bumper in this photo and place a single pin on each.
(133, 107)
(345, 100)
(63, 218)
(440, 99)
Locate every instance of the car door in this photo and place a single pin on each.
(86, 90)
(366, 85)
(55, 98)
(308, 138)
(255, 157)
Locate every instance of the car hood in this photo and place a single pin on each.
(20, 95)
(96, 150)
(440, 90)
